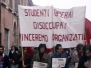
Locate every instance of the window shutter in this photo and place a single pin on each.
(10, 3)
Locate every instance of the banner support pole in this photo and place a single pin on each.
(53, 31)
(22, 56)
(85, 37)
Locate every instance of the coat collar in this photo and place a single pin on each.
(44, 56)
(3, 55)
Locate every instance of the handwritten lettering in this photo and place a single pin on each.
(67, 37)
(37, 12)
(34, 37)
(63, 14)
(49, 25)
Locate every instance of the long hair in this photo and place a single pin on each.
(87, 47)
(42, 45)
(57, 47)
(79, 47)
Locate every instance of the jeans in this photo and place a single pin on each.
(14, 66)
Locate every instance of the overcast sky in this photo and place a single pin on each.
(63, 4)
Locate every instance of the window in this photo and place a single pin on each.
(30, 3)
(15, 35)
(25, 2)
(6, 40)
(16, 5)
(15, 28)
(10, 3)
(4, 0)
(21, 2)
(17, 2)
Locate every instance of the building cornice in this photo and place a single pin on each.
(8, 8)
(3, 4)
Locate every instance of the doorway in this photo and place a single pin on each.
(6, 41)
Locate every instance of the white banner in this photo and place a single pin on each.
(70, 26)
(51, 26)
(39, 65)
(58, 62)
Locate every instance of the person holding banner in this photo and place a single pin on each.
(59, 54)
(26, 58)
(41, 56)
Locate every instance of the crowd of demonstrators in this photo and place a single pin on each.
(80, 54)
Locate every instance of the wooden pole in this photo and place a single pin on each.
(22, 56)
(85, 37)
(53, 31)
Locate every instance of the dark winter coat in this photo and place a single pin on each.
(82, 60)
(6, 62)
(44, 59)
(14, 57)
(27, 61)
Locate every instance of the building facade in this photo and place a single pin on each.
(9, 22)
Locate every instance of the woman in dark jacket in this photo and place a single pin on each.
(42, 56)
(13, 55)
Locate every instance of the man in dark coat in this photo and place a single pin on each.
(4, 59)
(59, 54)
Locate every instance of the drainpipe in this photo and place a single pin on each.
(17, 32)
(0, 24)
